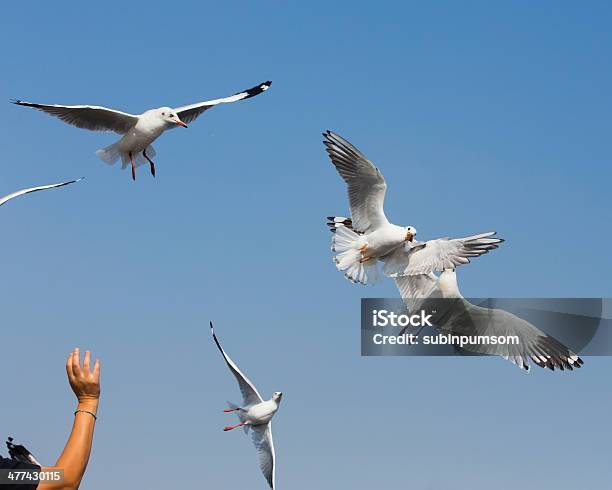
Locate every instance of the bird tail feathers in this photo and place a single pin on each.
(346, 244)
(335, 222)
(112, 153)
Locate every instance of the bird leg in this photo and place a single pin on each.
(363, 258)
(133, 168)
(230, 427)
(144, 154)
(232, 409)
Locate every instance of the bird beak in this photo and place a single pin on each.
(409, 236)
(181, 123)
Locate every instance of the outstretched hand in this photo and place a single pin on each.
(84, 381)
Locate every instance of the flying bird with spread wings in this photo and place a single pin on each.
(256, 414)
(138, 131)
(367, 238)
(454, 315)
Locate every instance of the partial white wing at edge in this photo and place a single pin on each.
(35, 189)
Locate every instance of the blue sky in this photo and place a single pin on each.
(480, 115)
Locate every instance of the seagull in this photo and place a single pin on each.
(19, 453)
(139, 131)
(454, 315)
(35, 189)
(256, 414)
(368, 237)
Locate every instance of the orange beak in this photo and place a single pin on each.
(181, 123)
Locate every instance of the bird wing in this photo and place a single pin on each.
(91, 117)
(437, 255)
(17, 452)
(366, 185)
(457, 316)
(533, 344)
(34, 189)
(416, 289)
(262, 439)
(189, 113)
(250, 394)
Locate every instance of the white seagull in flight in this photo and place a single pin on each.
(368, 237)
(256, 414)
(457, 316)
(139, 131)
(13, 195)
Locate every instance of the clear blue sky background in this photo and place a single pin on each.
(482, 115)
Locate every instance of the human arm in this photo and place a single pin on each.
(85, 382)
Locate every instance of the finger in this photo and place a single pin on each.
(69, 367)
(86, 362)
(76, 363)
(96, 371)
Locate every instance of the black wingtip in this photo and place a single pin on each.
(214, 336)
(258, 89)
(68, 182)
(262, 87)
(331, 139)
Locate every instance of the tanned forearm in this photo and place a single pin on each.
(75, 456)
